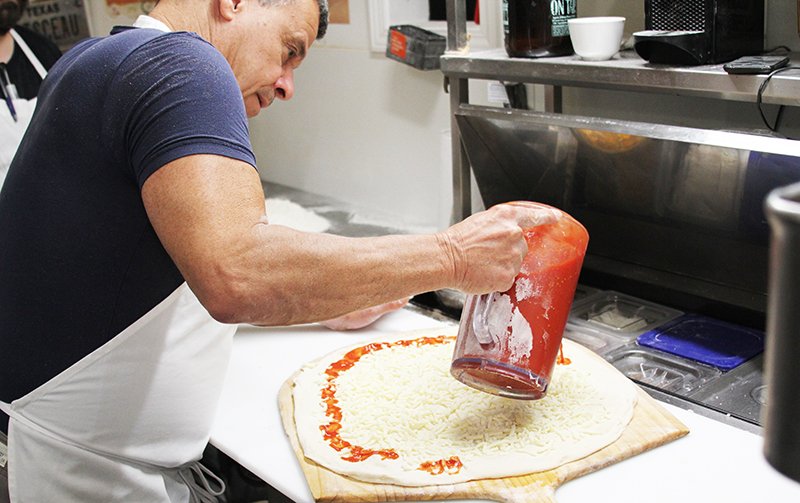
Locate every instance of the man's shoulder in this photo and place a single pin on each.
(155, 50)
(131, 35)
(141, 53)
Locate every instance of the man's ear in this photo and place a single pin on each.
(227, 9)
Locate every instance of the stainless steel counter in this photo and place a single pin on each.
(625, 72)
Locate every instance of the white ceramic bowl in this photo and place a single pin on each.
(596, 38)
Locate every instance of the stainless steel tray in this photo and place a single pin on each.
(599, 342)
(662, 370)
(741, 391)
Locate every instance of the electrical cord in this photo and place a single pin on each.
(760, 95)
(781, 49)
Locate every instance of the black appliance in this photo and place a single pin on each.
(781, 425)
(697, 32)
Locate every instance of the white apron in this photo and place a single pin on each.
(11, 131)
(129, 421)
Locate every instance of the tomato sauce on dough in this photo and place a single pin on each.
(356, 453)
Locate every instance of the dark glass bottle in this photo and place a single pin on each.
(538, 28)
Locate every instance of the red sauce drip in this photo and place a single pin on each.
(360, 454)
(562, 360)
(330, 431)
(451, 465)
(338, 444)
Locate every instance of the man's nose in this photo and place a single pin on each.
(284, 86)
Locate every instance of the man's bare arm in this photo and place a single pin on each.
(208, 212)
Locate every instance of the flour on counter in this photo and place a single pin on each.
(289, 214)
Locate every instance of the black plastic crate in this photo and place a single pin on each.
(415, 46)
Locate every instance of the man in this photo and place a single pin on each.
(25, 57)
(133, 237)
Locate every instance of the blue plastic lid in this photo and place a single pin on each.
(706, 340)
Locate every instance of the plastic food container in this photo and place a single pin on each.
(583, 292)
(599, 342)
(622, 315)
(706, 340)
(742, 392)
(662, 370)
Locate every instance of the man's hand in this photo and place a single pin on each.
(487, 249)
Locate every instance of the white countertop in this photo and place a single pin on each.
(714, 463)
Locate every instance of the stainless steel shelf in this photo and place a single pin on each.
(626, 72)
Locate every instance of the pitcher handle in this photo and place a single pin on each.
(480, 322)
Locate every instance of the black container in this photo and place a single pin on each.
(696, 32)
(538, 29)
(781, 420)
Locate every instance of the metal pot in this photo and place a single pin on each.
(781, 419)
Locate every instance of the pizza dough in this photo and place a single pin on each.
(396, 415)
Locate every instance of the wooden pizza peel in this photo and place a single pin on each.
(651, 426)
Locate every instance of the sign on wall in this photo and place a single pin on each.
(62, 21)
(339, 11)
(129, 8)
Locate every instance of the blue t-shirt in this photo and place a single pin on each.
(79, 260)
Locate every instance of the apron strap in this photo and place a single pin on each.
(29, 54)
(195, 476)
